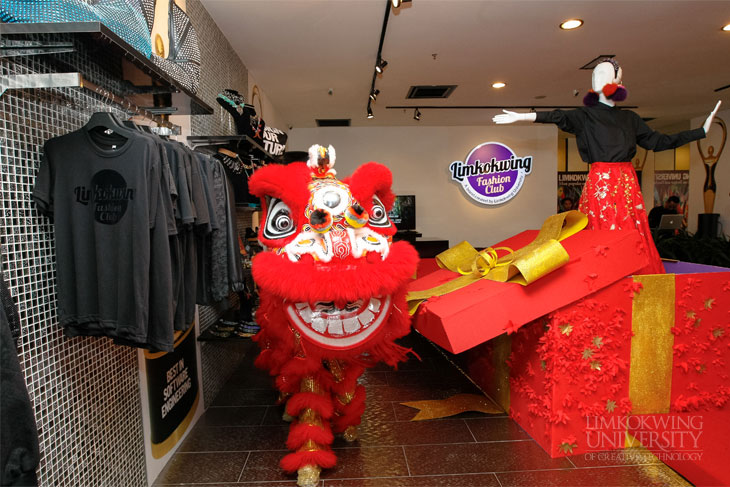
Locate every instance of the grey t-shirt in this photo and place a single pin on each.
(104, 194)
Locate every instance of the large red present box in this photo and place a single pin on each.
(646, 355)
(593, 360)
(485, 309)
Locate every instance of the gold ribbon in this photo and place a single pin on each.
(523, 266)
(652, 319)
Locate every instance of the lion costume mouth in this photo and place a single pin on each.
(340, 328)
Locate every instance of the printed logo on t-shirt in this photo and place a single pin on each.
(110, 195)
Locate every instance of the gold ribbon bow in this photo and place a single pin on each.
(522, 266)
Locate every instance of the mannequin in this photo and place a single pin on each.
(607, 139)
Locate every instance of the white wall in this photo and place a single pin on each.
(270, 114)
(419, 158)
(722, 175)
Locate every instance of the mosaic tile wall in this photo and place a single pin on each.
(85, 391)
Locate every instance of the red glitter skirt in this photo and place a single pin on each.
(612, 200)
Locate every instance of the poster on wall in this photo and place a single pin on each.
(492, 173)
(570, 187)
(672, 183)
(170, 387)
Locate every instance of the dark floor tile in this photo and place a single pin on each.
(374, 378)
(452, 378)
(364, 462)
(477, 480)
(376, 413)
(236, 438)
(202, 467)
(415, 433)
(480, 458)
(646, 475)
(628, 456)
(250, 378)
(264, 466)
(417, 392)
(230, 396)
(274, 416)
(232, 416)
(496, 429)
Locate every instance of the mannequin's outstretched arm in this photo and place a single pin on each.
(512, 117)
(707, 124)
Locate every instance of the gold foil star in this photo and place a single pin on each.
(718, 332)
(598, 341)
(709, 302)
(697, 323)
(459, 403)
(587, 353)
(610, 405)
(566, 328)
(596, 365)
(690, 314)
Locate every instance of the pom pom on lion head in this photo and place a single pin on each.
(331, 281)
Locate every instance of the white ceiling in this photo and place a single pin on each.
(673, 55)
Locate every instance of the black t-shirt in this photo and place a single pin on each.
(105, 194)
(609, 134)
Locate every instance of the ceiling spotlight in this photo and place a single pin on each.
(370, 111)
(571, 24)
(374, 94)
(416, 114)
(498, 84)
(381, 64)
(726, 28)
(397, 3)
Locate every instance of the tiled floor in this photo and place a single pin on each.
(240, 440)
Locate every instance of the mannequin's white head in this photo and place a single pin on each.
(605, 73)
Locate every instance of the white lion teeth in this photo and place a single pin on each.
(374, 305)
(351, 325)
(334, 326)
(319, 324)
(366, 317)
(305, 313)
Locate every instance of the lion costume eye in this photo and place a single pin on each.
(378, 215)
(279, 222)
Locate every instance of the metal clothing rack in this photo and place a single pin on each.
(76, 80)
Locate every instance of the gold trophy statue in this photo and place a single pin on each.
(708, 222)
(710, 162)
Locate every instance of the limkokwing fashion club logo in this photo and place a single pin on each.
(491, 174)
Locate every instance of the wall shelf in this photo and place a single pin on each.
(99, 38)
(243, 143)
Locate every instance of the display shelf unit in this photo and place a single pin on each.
(243, 143)
(99, 38)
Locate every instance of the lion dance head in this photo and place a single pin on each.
(332, 296)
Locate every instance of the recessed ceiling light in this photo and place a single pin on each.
(571, 24)
(726, 28)
(498, 84)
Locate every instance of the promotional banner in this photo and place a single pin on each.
(672, 183)
(170, 387)
(492, 173)
(570, 187)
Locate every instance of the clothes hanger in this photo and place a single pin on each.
(228, 152)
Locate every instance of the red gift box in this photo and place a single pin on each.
(485, 309)
(647, 355)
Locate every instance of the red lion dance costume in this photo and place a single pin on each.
(332, 289)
